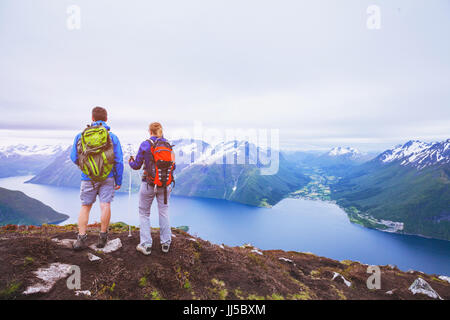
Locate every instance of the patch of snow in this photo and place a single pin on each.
(111, 246)
(85, 292)
(227, 150)
(445, 278)
(32, 150)
(49, 276)
(390, 292)
(419, 154)
(338, 275)
(391, 266)
(286, 260)
(93, 257)
(339, 151)
(221, 246)
(423, 287)
(192, 239)
(257, 252)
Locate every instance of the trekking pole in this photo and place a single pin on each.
(130, 150)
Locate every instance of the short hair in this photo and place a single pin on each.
(99, 113)
(156, 129)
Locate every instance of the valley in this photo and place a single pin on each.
(404, 189)
(318, 188)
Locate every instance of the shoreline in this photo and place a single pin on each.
(346, 210)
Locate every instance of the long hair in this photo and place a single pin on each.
(156, 129)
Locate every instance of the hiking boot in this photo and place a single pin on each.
(165, 247)
(146, 250)
(102, 239)
(80, 244)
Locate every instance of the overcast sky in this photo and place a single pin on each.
(312, 69)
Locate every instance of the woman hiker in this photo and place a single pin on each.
(158, 159)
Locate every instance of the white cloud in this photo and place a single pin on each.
(313, 70)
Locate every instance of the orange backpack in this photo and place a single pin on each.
(164, 164)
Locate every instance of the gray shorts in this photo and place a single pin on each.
(89, 191)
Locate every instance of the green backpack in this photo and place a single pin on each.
(96, 152)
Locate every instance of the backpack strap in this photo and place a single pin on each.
(149, 173)
(152, 144)
(165, 195)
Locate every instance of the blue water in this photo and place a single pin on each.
(300, 225)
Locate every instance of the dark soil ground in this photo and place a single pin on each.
(191, 270)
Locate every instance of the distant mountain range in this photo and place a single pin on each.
(343, 156)
(409, 183)
(236, 180)
(62, 172)
(24, 160)
(200, 173)
(418, 154)
(405, 188)
(334, 162)
(18, 208)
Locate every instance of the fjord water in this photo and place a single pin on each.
(299, 225)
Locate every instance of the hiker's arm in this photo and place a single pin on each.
(74, 153)
(118, 158)
(136, 164)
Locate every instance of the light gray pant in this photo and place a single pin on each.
(146, 196)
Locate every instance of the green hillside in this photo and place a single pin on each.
(18, 208)
(239, 183)
(418, 198)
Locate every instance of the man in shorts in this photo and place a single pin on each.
(104, 189)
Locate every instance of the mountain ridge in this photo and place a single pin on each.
(408, 183)
(418, 154)
(202, 171)
(23, 159)
(193, 269)
(17, 208)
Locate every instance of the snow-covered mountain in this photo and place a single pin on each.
(407, 184)
(24, 159)
(230, 170)
(348, 152)
(21, 150)
(418, 154)
(230, 152)
(337, 160)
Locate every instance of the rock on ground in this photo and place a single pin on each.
(93, 257)
(257, 252)
(49, 276)
(286, 260)
(85, 292)
(338, 275)
(423, 287)
(67, 243)
(111, 246)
